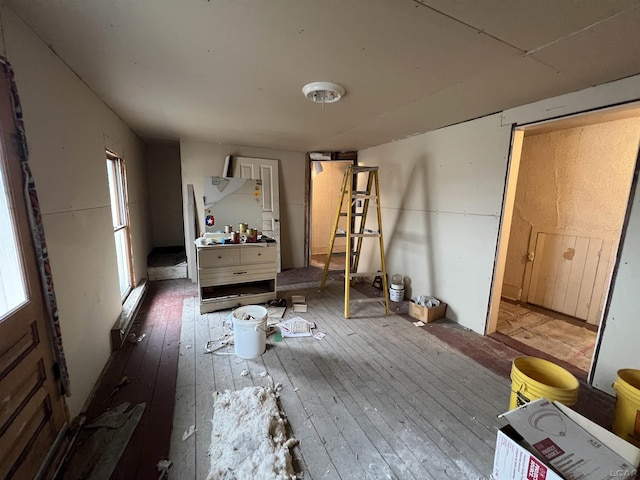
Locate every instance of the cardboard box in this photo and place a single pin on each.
(549, 441)
(427, 314)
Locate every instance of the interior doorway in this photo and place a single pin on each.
(567, 195)
(325, 174)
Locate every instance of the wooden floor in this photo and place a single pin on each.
(150, 367)
(376, 398)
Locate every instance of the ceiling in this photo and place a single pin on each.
(231, 71)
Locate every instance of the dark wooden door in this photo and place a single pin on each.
(32, 408)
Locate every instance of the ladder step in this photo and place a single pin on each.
(359, 169)
(360, 214)
(364, 235)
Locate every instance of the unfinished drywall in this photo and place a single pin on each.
(68, 128)
(325, 197)
(573, 179)
(200, 159)
(441, 197)
(621, 335)
(165, 193)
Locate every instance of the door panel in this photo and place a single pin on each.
(32, 408)
(569, 273)
(267, 171)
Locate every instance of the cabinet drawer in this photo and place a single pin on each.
(218, 257)
(238, 274)
(253, 255)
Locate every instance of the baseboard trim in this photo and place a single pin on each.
(130, 309)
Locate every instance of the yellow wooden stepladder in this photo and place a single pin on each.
(355, 231)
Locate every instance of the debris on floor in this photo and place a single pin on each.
(298, 303)
(296, 327)
(163, 468)
(133, 338)
(249, 437)
(188, 432)
(319, 335)
(101, 443)
(123, 382)
(419, 323)
(221, 342)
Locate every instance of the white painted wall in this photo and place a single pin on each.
(441, 203)
(200, 159)
(68, 128)
(165, 193)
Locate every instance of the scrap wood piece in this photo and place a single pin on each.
(188, 432)
(101, 444)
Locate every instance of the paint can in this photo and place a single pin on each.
(228, 229)
(242, 228)
(252, 235)
(235, 237)
(249, 331)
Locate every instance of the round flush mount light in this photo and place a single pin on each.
(323, 92)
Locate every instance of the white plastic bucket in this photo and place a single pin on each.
(250, 331)
(396, 294)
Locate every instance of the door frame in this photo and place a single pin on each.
(350, 156)
(507, 215)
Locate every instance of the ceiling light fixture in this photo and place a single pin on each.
(323, 92)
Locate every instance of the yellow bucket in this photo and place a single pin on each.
(626, 423)
(533, 378)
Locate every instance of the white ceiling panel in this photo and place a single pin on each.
(530, 24)
(232, 70)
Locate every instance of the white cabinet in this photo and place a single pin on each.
(232, 275)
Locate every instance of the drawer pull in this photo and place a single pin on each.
(239, 273)
(219, 257)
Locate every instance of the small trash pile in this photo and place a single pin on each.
(426, 301)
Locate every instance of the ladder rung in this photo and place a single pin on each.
(361, 214)
(364, 235)
(364, 195)
(363, 274)
(359, 169)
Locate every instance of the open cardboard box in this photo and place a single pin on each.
(548, 441)
(427, 314)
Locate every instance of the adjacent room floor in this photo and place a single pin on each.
(376, 398)
(560, 336)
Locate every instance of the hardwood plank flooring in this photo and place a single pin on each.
(376, 398)
(151, 367)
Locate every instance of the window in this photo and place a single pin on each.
(12, 280)
(120, 216)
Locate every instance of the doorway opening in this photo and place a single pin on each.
(325, 173)
(567, 195)
(117, 177)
